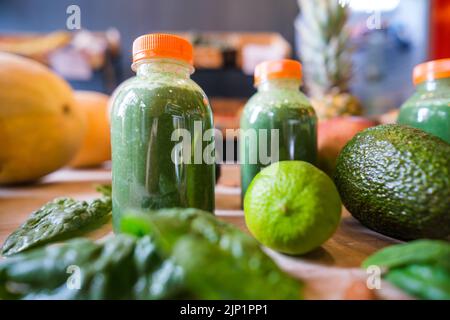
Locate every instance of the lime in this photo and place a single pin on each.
(292, 207)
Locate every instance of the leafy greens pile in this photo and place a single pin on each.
(165, 254)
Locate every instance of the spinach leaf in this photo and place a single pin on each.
(58, 220)
(105, 190)
(219, 260)
(420, 268)
(122, 267)
(422, 281)
(419, 251)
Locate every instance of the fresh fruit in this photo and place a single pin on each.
(334, 134)
(326, 56)
(41, 128)
(35, 46)
(336, 103)
(396, 180)
(96, 147)
(292, 207)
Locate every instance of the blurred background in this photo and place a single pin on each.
(383, 56)
(356, 60)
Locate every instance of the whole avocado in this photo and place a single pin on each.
(396, 180)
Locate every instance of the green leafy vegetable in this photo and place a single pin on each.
(422, 281)
(419, 251)
(58, 220)
(105, 190)
(217, 257)
(420, 268)
(179, 253)
(122, 267)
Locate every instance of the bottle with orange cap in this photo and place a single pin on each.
(162, 153)
(278, 122)
(428, 108)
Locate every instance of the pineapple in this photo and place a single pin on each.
(326, 57)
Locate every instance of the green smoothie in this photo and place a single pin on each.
(429, 108)
(152, 167)
(279, 105)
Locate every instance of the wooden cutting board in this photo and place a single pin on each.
(330, 272)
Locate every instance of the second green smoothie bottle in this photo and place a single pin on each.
(162, 156)
(277, 109)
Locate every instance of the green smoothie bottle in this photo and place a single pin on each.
(429, 107)
(161, 132)
(278, 122)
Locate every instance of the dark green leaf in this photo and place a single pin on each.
(419, 251)
(105, 190)
(179, 253)
(422, 281)
(58, 220)
(217, 257)
(122, 267)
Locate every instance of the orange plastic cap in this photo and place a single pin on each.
(160, 45)
(278, 69)
(431, 70)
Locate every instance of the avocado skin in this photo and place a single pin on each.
(396, 180)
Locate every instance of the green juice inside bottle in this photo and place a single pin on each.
(278, 105)
(428, 108)
(151, 166)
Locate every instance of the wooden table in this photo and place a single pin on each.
(330, 272)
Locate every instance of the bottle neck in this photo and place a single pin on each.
(433, 85)
(280, 84)
(173, 67)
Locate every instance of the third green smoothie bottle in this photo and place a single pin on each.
(277, 109)
(429, 107)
